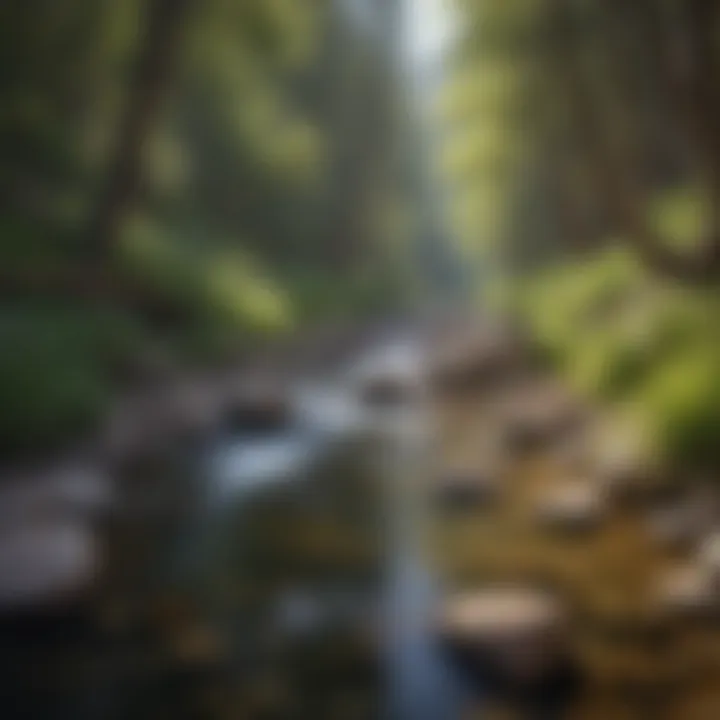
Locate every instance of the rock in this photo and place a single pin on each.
(629, 479)
(573, 456)
(687, 590)
(197, 646)
(501, 614)
(709, 557)
(576, 507)
(72, 490)
(195, 406)
(512, 637)
(389, 377)
(138, 427)
(538, 416)
(257, 406)
(299, 613)
(467, 488)
(681, 525)
(43, 564)
(388, 391)
(673, 528)
(467, 357)
(626, 472)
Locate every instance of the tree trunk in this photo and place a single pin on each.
(158, 55)
(610, 161)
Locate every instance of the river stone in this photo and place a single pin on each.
(467, 488)
(673, 528)
(575, 507)
(631, 481)
(388, 391)
(517, 634)
(196, 407)
(687, 590)
(573, 456)
(680, 525)
(298, 613)
(471, 361)
(46, 563)
(72, 490)
(538, 416)
(257, 406)
(709, 557)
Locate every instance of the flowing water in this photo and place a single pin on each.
(302, 551)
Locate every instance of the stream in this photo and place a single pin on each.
(332, 429)
(358, 476)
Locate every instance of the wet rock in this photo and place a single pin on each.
(387, 391)
(390, 376)
(511, 640)
(257, 406)
(574, 508)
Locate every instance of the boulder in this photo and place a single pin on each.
(511, 640)
(574, 507)
(687, 590)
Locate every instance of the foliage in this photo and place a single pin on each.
(648, 350)
(257, 202)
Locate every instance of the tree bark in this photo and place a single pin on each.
(616, 176)
(158, 55)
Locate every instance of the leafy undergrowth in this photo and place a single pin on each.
(648, 350)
